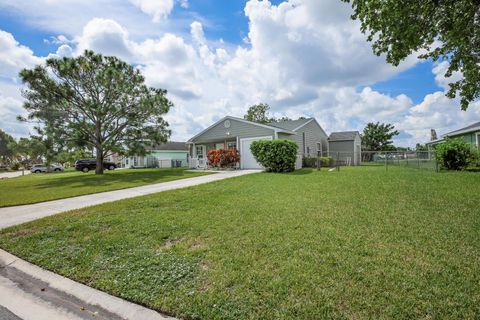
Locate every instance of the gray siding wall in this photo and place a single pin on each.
(342, 146)
(313, 135)
(237, 128)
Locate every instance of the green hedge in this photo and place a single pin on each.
(275, 155)
(311, 162)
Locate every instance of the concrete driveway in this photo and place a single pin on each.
(30, 292)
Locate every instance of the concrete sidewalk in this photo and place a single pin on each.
(14, 174)
(11, 216)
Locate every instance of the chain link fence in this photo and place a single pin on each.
(413, 159)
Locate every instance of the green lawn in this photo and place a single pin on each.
(361, 243)
(40, 187)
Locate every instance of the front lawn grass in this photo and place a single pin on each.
(38, 187)
(361, 243)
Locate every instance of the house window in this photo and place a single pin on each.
(199, 152)
(478, 140)
(231, 145)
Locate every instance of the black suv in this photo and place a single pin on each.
(86, 165)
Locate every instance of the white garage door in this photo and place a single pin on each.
(247, 160)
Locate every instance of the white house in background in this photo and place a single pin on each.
(236, 133)
(166, 155)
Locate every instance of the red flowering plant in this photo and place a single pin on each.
(213, 157)
(223, 158)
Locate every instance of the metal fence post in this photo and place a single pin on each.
(319, 165)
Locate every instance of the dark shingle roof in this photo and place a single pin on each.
(289, 124)
(343, 136)
(171, 145)
(473, 127)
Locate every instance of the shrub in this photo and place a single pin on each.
(15, 166)
(326, 161)
(453, 154)
(275, 155)
(223, 158)
(311, 162)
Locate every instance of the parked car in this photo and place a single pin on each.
(55, 167)
(86, 165)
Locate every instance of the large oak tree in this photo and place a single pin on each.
(445, 30)
(97, 102)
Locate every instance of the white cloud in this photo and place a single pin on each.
(14, 57)
(157, 9)
(196, 30)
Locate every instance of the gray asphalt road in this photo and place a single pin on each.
(5, 314)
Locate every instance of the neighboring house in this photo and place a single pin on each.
(470, 134)
(346, 146)
(231, 132)
(165, 155)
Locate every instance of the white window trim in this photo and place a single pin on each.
(478, 139)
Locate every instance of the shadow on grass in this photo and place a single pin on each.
(301, 172)
(82, 180)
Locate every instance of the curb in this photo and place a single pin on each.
(114, 305)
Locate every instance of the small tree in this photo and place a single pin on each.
(96, 102)
(275, 155)
(7, 148)
(454, 154)
(377, 137)
(30, 150)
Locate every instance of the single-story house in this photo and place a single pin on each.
(346, 146)
(165, 155)
(470, 134)
(231, 132)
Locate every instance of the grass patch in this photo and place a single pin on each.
(362, 243)
(41, 187)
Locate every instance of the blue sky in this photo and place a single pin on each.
(304, 58)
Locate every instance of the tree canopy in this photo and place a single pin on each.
(96, 102)
(377, 137)
(7, 145)
(258, 113)
(446, 30)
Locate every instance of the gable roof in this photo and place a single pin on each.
(268, 126)
(473, 127)
(290, 124)
(343, 136)
(170, 146)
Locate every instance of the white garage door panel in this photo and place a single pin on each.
(247, 160)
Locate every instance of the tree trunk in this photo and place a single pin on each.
(99, 149)
(99, 162)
